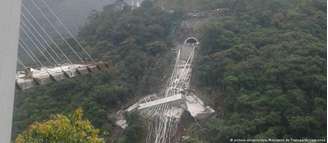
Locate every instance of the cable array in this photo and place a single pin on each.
(21, 63)
(44, 42)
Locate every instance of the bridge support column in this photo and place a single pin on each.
(9, 34)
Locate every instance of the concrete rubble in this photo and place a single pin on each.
(190, 103)
(163, 112)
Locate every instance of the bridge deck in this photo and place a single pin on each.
(31, 77)
(169, 99)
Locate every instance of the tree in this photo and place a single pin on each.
(60, 128)
(136, 41)
(268, 60)
(136, 131)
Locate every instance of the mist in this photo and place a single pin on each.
(73, 13)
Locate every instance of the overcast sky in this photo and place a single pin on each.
(75, 12)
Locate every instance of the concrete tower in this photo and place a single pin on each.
(9, 34)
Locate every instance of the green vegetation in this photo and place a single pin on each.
(263, 66)
(137, 43)
(98, 95)
(136, 131)
(63, 129)
(267, 60)
(191, 5)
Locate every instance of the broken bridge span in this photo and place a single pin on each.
(164, 111)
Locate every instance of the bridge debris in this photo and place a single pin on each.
(164, 111)
(197, 108)
(173, 98)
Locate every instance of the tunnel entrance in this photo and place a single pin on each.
(191, 41)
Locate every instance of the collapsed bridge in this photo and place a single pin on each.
(163, 111)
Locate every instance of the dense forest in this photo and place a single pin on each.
(265, 66)
(261, 66)
(136, 41)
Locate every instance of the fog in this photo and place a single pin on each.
(73, 13)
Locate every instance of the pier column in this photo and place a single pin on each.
(9, 34)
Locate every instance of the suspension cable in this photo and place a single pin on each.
(28, 54)
(48, 54)
(48, 35)
(21, 62)
(35, 45)
(68, 31)
(34, 58)
(39, 42)
(56, 30)
(22, 45)
(40, 35)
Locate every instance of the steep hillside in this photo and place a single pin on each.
(137, 42)
(264, 68)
